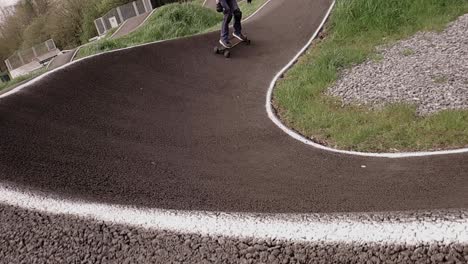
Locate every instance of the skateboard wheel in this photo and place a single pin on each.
(227, 54)
(247, 42)
(216, 50)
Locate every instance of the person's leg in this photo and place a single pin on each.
(227, 19)
(237, 18)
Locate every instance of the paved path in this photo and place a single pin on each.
(130, 25)
(171, 125)
(61, 59)
(210, 4)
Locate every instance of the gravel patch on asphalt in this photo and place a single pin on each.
(32, 237)
(429, 70)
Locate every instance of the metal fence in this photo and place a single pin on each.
(118, 15)
(38, 53)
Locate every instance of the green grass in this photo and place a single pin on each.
(440, 79)
(355, 28)
(18, 80)
(168, 22)
(407, 52)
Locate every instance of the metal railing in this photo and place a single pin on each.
(38, 53)
(116, 16)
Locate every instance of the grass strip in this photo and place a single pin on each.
(21, 79)
(168, 22)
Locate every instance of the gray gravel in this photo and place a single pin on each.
(429, 70)
(30, 237)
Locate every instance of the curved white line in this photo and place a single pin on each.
(447, 227)
(75, 52)
(256, 11)
(297, 136)
(50, 62)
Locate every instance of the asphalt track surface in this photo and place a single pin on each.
(170, 125)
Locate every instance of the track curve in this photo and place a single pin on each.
(170, 125)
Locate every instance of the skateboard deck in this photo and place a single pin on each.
(226, 51)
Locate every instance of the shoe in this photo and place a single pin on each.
(225, 44)
(240, 36)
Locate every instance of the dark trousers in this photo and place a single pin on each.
(230, 9)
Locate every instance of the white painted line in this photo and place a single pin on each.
(447, 227)
(76, 52)
(297, 136)
(47, 67)
(256, 11)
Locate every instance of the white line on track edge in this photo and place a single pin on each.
(299, 137)
(443, 227)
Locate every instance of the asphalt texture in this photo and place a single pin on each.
(41, 238)
(171, 125)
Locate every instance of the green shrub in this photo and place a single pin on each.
(108, 44)
(90, 13)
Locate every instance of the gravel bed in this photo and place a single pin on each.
(31, 237)
(429, 70)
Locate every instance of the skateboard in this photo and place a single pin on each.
(226, 51)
